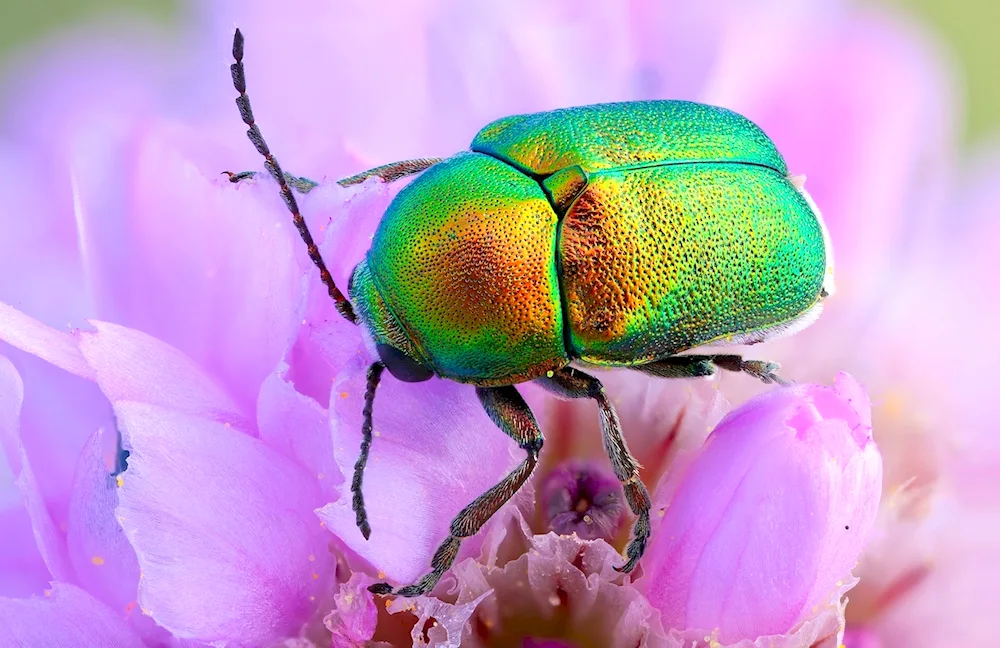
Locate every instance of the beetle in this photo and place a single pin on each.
(613, 235)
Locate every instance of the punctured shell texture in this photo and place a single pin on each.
(688, 231)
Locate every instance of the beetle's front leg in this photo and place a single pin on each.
(507, 409)
(302, 185)
(573, 383)
(693, 366)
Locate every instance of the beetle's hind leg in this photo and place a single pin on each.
(507, 409)
(693, 366)
(298, 183)
(573, 383)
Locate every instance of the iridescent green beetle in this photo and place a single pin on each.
(615, 235)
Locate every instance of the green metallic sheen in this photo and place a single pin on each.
(617, 135)
(375, 315)
(465, 259)
(564, 186)
(662, 259)
(616, 234)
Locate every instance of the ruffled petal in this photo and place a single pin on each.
(439, 624)
(352, 621)
(562, 587)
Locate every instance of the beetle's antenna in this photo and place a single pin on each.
(374, 376)
(271, 163)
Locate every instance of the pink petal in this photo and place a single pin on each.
(67, 616)
(297, 427)
(133, 366)
(31, 336)
(435, 451)
(861, 637)
(51, 544)
(207, 266)
(22, 570)
(53, 436)
(771, 516)
(352, 622)
(101, 555)
(346, 220)
(446, 624)
(223, 527)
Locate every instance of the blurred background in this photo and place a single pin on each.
(968, 28)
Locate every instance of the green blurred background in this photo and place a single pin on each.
(968, 27)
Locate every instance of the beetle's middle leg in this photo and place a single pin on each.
(573, 383)
(506, 407)
(692, 366)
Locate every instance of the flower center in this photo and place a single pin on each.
(585, 499)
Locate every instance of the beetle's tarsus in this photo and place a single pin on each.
(639, 502)
(637, 546)
(440, 563)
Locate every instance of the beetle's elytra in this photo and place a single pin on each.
(612, 235)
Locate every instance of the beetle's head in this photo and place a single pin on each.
(395, 348)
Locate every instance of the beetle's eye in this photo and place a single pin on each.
(402, 366)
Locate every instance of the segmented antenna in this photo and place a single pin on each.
(358, 503)
(243, 103)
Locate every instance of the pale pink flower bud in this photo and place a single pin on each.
(771, 516)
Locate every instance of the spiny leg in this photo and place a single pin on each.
(691, 366)
(507, 409)
(271, 163)
(573, 383)
(358, 501)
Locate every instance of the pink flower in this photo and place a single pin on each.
(755, 549)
